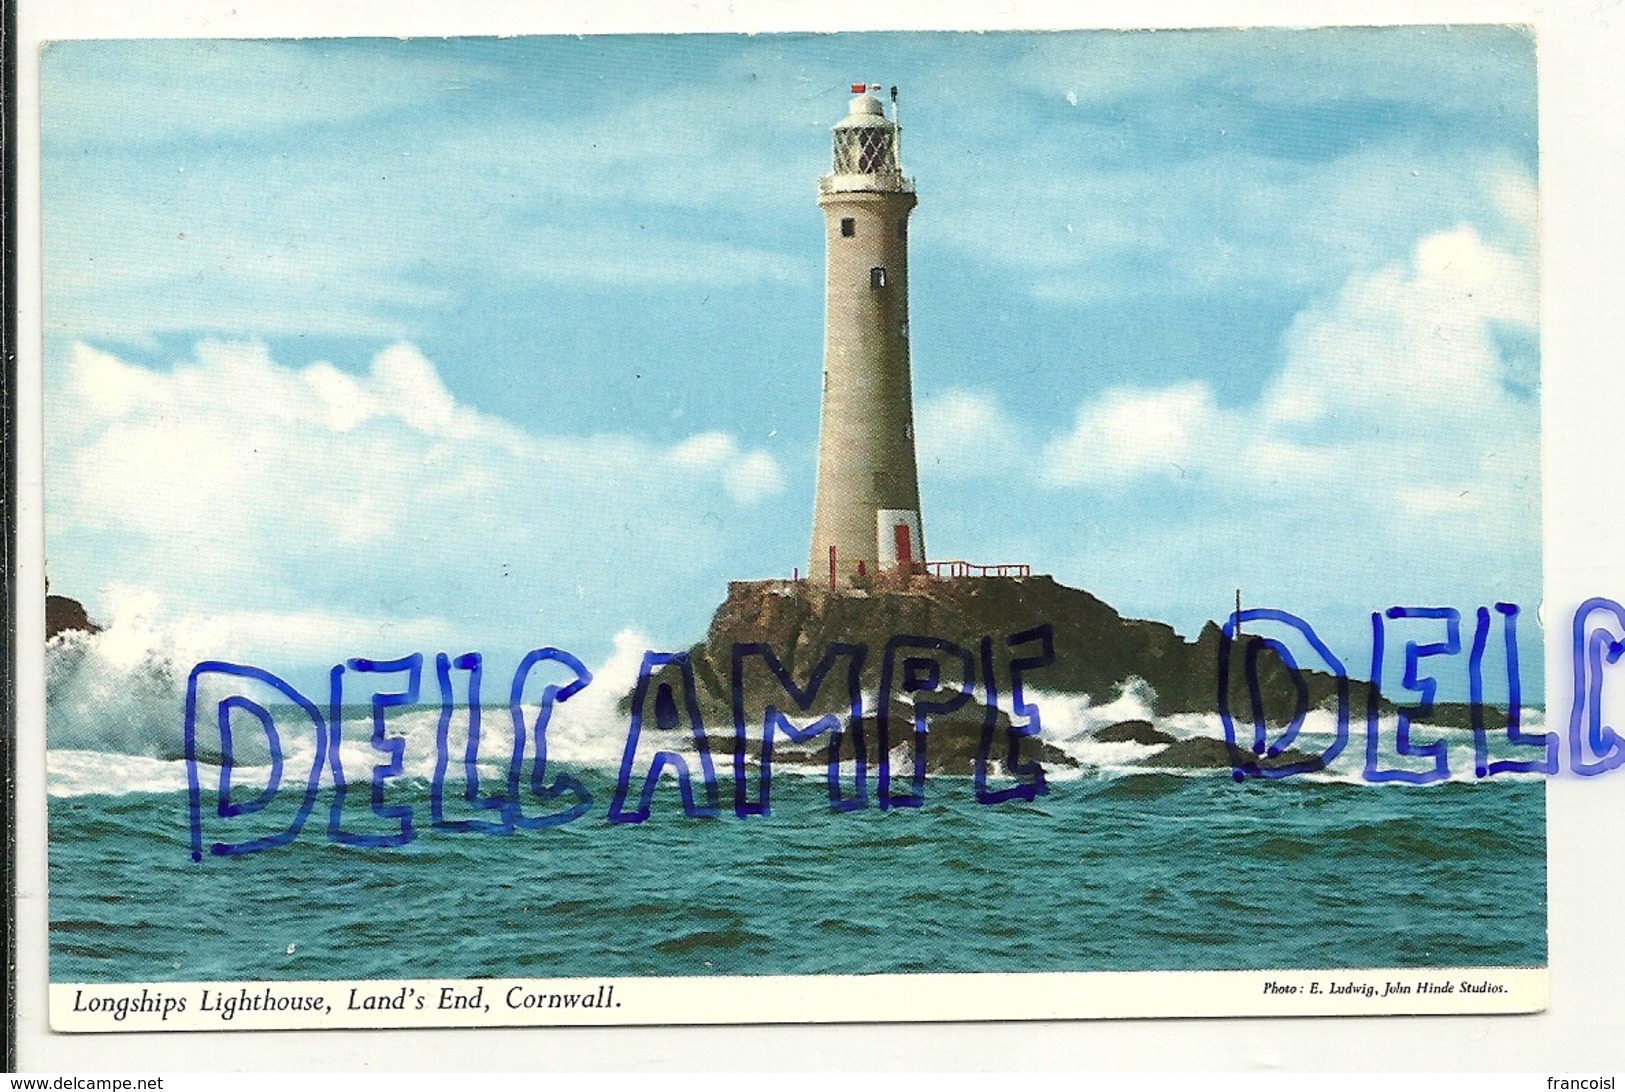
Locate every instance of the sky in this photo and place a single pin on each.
(363, 347)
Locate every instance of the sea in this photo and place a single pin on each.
(1117, 867)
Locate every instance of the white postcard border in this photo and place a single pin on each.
(786, 999)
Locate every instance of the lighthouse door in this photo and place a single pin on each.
(905, 551)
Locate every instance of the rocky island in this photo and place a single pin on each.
(1096, 652)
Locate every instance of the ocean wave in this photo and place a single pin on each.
(101, 773)
(115, 705)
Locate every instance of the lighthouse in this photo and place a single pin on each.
(866, 513)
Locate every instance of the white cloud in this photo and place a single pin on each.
(753, 477)
(1412, 346)
(269, 504)
(706, 451)
(965, 433)
(748, 476)
(1128, 432)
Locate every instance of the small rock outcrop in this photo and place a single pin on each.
(63, 614)
(1133, 731)
(1201, 753)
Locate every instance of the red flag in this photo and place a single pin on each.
(859, 88)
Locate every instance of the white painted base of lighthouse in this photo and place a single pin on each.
(897, 539)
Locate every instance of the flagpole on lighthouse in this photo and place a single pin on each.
(896, 122)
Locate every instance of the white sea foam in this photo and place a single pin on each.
(119, 691)
(589, 728)
(1069, 718)
(85, 773)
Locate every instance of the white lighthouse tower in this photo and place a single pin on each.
(866, 516)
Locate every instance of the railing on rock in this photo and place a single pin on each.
(949, 570)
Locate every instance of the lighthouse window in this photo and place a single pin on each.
(875, 155)
(877, 277)
(847, 147)
(848, 226)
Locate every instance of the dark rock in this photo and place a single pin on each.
(1096, 649)
(1133, 731)
(952, 744)
(1459, 714)
(1201, 753)
(63, 614)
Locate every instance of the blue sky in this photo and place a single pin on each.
(365, 346)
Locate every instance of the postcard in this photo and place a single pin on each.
(722, 528)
